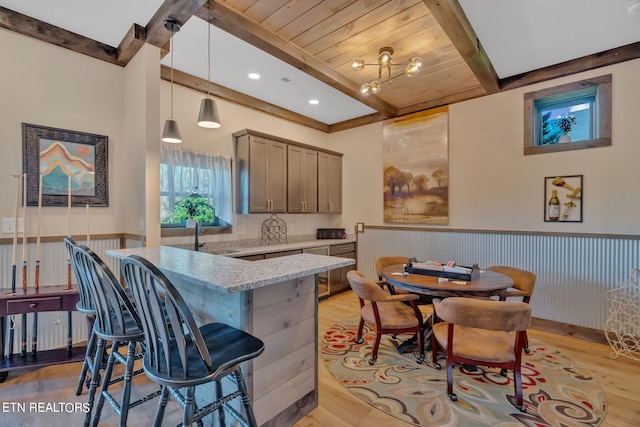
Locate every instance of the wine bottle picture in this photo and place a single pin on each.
(553, 211)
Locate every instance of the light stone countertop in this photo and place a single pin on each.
(234, 249)
(228, 275)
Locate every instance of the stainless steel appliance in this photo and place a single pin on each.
(323, 278)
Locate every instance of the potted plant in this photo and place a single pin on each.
(191, 209)
(565, 123)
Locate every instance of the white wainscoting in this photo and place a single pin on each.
(52, 326)
(573, 272)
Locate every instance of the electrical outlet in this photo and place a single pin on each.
(8, 225)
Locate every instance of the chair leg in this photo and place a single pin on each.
(189, 407)
(434, 352)
(97, 360)
(517, 384)
(91, 347)
(359, 339)
(242, 388)
(106, 378)
(526, 343)
(450, 392)
(421, 346)
(128, 377)
(162, 404)
(376, 345)
(221, 409)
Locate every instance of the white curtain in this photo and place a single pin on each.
(183, 172)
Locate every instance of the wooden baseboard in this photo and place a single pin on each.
(581, 332)
(296, 411)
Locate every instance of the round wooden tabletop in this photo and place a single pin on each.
(489, 283)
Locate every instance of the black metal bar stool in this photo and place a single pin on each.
(117, 322)
(86, 307)
(182, 355)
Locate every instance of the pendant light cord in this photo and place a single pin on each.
(171, 47)
(209, 52)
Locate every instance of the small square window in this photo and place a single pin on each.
(577, 113)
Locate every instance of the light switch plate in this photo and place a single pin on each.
(8, 224)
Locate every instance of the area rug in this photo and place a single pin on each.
(557, 392)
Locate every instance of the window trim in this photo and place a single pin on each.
(603, 116)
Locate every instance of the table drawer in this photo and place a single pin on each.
(34, 305)
(341, 249)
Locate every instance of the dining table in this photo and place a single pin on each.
(487, 284)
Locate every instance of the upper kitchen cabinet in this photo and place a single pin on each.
(302, 172)
(329, 183)
(261, 174)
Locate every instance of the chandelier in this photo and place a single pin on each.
(385, 63)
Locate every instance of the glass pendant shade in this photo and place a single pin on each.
(357, 64)
(365, 89)
(209, 117)
(375, 87)
(171, 132)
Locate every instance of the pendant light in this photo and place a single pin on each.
(208, 117)
(171, 131)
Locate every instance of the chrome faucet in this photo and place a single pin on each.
(198, 232)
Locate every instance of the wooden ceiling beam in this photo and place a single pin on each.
(131, 43)
(589, 62)
(456, 26)
(40, 30)
(253, 33)
(195, 83)
(178, 10)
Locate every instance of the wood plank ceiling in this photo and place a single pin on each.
(322, 37)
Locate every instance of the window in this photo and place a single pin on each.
(568, 117)
(191, 174)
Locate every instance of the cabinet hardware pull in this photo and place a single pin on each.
(33, 305)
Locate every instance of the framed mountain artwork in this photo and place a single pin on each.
(66, 163)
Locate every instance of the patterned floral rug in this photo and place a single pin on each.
(557, 392)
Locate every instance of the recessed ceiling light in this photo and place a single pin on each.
(314, 102)
(254, 76)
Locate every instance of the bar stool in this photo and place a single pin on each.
(181, 355)
(117, 322)
(84, 306)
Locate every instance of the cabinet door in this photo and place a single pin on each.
(338, 278)
(302, 180)
(329, 183)
(267, 179)
(278, 176)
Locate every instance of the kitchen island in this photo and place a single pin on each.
(273, 299)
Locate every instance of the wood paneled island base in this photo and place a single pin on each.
(273, 299)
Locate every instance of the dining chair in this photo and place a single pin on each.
(386, 261)
(481, 332)
(181, 355)
(116, 322)
(86, 307)
(523, 284)
(386, 312)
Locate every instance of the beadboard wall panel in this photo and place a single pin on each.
(52, 326)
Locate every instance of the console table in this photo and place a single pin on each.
(46, 298)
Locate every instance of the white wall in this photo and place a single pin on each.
(50, 86)
(493, 186)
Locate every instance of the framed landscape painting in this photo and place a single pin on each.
(69, 162)
(416, 168)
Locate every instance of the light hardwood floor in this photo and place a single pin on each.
(620, 380)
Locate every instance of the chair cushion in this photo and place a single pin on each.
(393, 315)
(478, 344)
